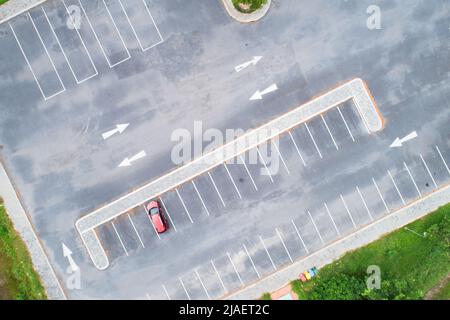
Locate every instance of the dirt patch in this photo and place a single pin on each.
(438, 288)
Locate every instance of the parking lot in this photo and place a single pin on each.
(73, 70)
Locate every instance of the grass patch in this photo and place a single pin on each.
(410, 265)
(444, 294)
(248, 6)
(266, 296)
(3, 1)
(18, 280)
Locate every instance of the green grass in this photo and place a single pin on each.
(410, 264)
(3, 1)
(252, 5)
(444, 294)
(18, 280)
(266, 296)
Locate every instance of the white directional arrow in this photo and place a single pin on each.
(68, 254)
(244, 65)
(258, 95)
(119, 129)
(399, 142)
(128, 161)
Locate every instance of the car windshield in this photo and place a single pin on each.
(154, 210)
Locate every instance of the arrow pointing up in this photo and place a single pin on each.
(244, 65)
(67, 253)
(128, 161)
(258, 95)
(399, 142)
(119, 129)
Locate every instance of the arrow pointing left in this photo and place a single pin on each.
(67, 253)
(119, 129)
(129, 161)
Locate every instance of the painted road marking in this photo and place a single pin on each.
(184, 206)
(301, 239)
(332, 220)
(396, 188)
(203, 286)
(329, 132)
(168, 214)
(64, 53)
(219, 277)
(235, 270)
(264, 163)
(314, 141)
(184, 288)
(348, 211)
(135, 230)
(281, 157)
(167, 293)
(251, 260)
(248, 172)
(120, 239)
(428, 170)
(284, 245)
(379, 193)
(200, 197)
(346, 125)
(443, 160)
(246, 64)
(315, 227)
(268, 254)
(296, 148)
(232, 180)
(217, 190)
(365, 204)
(412, 179)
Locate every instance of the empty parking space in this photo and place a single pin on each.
(228, 273)
(244, 266)
(211, 280)
(292, 241)
(37, 57)
(194, 286)
(323, 223)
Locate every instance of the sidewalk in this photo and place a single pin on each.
(13, 8)
(360, 238)
(25, 229)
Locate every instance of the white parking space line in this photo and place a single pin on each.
(264, 163)
(96, 37)
(348, 211)
(313, 140)
(248, 172)
(168, 214)
(184, 206)
(64, 53)
(29, 66)
(120, 239)
(329, 131)
(428, 170)
(346, 125)
(315, 227)
(268, 254)
(166, 292)
(134, 31)
(281, 157)
(201, 282)
(135, 230)
(379, 193)
(251, 260)
(412, 179)
(184, 288)
(151, 222)
(443, 160)
(200, 197)
(332, 220)
(46, 51)
(396, 187)
(218, 276)
(296, 148)
(301, 239)
(235, 270)
(232, 180)
(365, 204)
(284, 245)
(217, 190)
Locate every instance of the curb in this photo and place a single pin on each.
(23, 226)
(246, 17)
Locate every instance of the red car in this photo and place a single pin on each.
(155, 214)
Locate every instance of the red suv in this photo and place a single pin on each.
(155, 214)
